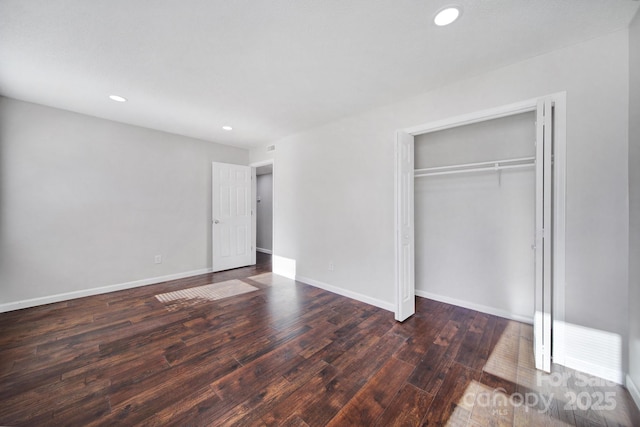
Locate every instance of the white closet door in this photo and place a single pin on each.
(405, 276)
(542, 316)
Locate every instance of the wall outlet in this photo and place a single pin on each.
(331, 266)
(158, 259)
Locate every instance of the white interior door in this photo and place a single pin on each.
(405, 276)
(232, 222)
(542, 315)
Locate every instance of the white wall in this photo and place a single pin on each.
(336, 184)
(634, 208)
(474, 231)
(86, 202)
(264, 217)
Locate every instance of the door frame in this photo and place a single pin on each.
(254, 204)
(559, 202)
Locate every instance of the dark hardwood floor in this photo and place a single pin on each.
(286, 354)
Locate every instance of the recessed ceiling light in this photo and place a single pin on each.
(117, 98)
(446, 16)
(227, 128)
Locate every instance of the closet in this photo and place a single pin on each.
(480, 207)
(474, 215)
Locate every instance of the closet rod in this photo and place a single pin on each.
(482, 169)
(466, 165)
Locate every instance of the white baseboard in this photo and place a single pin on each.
(33, 302)
(346, 293)
(264, 251)
(633, 391)
(594, 369)
(476, 307)
(594, 351)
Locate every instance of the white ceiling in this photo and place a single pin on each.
(269, 68)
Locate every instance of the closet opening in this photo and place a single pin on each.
(480, 216)
(474, 195)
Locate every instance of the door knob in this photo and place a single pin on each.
(215, 221)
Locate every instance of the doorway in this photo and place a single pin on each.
(242, 214)
(550, 129)
(264, 209)
(264, 218)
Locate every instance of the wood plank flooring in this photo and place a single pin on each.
(287, 354)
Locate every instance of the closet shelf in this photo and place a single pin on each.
(495, 165)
